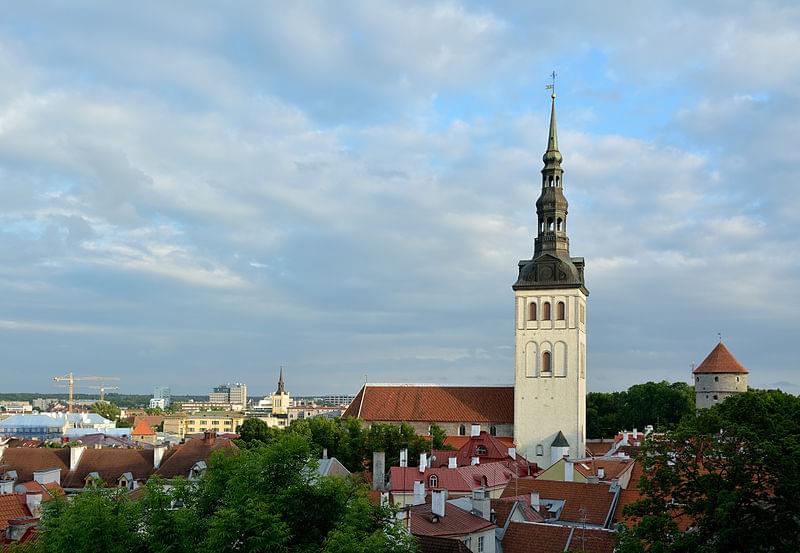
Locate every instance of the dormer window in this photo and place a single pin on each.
(481, 450)
(433, 481)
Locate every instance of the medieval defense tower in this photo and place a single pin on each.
(550, 356)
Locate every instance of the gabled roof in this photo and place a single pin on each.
(720, 361)
(613, 467)
(484, 446)
(504, 507)
(457, 480)
(428, 403)
(456, 522)
(533, 537)
(560, 440)
(582, 501)
(26, 460)
(12, 505)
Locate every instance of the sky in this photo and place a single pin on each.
(200, 192)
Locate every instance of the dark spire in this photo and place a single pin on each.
(551, 265)
(281, 386)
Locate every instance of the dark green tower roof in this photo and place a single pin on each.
(560, 440)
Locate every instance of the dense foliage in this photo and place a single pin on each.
(731, 473)
(106, 409)
(660, 404)
(266, 498)
(348, 440)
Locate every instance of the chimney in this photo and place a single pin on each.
(624, 438)
(535, 501)
(158, 455)
(419, 492)
(404, 457)
(324, 452)
(475, 430)
(6, 487)
(438, 501)
(18, 526)
(452, 463)
(476, 461)
(635, 434)
(423, 461)
(34, 503)
(512, 452)
(601, 473)
(209, 437)
(569, 471)
(378, 470)
(75, 453)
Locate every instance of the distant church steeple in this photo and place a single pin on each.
(281, 386)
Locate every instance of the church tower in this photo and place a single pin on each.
(550, 355)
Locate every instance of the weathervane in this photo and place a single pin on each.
(552, 86)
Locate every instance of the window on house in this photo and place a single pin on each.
(715, 396)
(546, 311)
(481, 450)
(697, 379)
(716, 379)
(493, 431)
(539, 450)
(737, 379)
(433, 481)
(462, 430)
(561, 311)
(532, 312)
(546, 362)
(480, 544)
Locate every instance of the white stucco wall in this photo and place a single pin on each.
(711, 389)
(545, 403)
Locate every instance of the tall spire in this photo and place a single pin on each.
(552, 157)
(281, 386)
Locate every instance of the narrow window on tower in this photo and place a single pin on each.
(547, 362)
(532, 311)
(549, 223)
(560, 311)
(559, 221)
(462, 430)
(493, 431)
(558, 181)
(546, 311)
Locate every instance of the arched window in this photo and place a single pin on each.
(546, 311)
(493, 431)
(551, 180)
(547, 364)
(560, 311)
(558, 181)
(697, 379)
(716, 379)
(433, 481)
(462, 430)
(481, 450)
(558, 223)
(532, 311)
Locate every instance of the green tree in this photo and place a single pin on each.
(438, 436)
(255, 433)
(731, 473)
(106, 409)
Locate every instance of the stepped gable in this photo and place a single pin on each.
(720, 361)
(110, 464)
(428, 403)
(26, 460)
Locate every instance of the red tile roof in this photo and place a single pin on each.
(457, 480)
(12, 505)
(26, 460)
(142, 429)
(457, 442)
(420, 403)
(532, 537)
(456, 522)
(597, 448)
(180, 459)
(431, 544)
(504, 507)
(613, 467)
(110, 464)
(589, 501)
(151, 420)
(720, 361)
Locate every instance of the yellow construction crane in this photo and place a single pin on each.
(103, 390)
(70, 379)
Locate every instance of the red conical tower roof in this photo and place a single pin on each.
(142, 429)
(720, 360)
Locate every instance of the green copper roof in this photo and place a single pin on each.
(560, 441)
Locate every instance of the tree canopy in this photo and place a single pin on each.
(729, 473)
(106, 409)
(661, 404)
(265, 498)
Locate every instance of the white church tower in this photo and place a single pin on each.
(550, 377)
